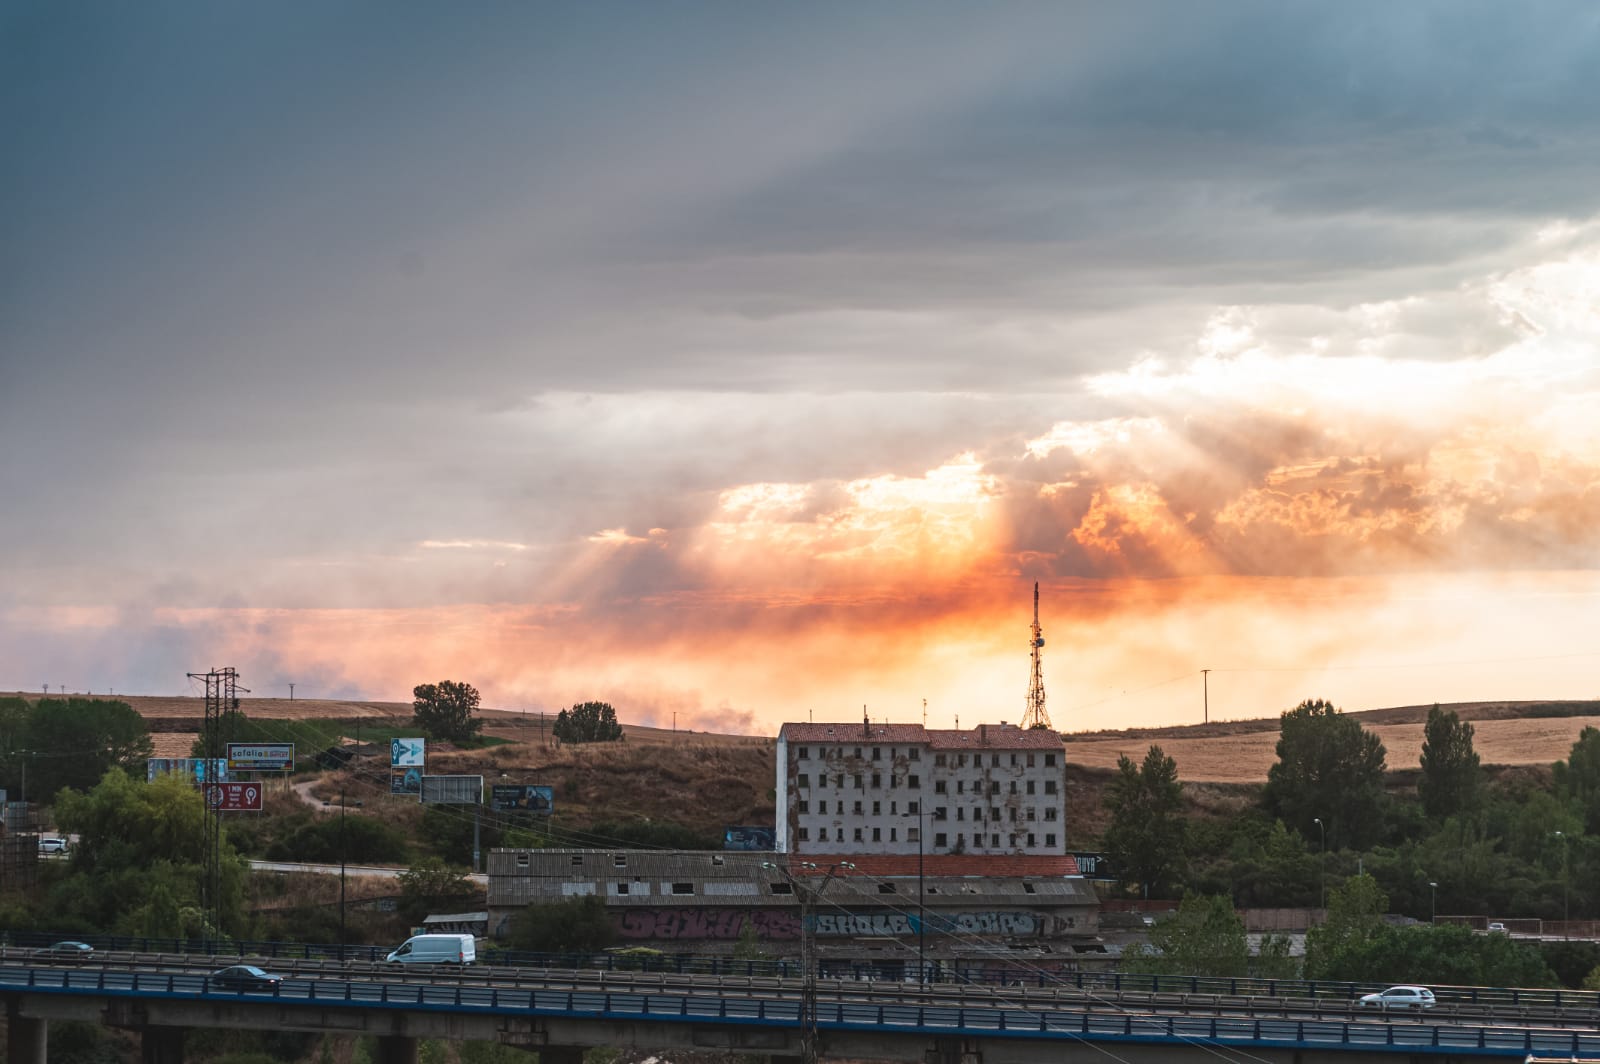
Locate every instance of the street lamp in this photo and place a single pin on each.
(342, 804)
(1322, 860)
(1433, 902)
(1565, 912)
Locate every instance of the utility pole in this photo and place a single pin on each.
(1205, 692)
(222, 704)
(808, 961)
(291, 692)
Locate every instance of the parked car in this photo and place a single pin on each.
(52, 844)
(1400, 997)
(244, 977)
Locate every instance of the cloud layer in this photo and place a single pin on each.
(746, 365)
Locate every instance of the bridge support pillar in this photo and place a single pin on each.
(951, 1051)
(161, 1045)
(561, 1055)
(27, 1041)
(396, 1049)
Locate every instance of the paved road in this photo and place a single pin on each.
(375, 871)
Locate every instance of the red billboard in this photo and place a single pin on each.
(234, 797)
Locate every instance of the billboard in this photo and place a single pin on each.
(193, 767)
(748, 839)
(234, 797)
(405, 781)
(520, 798)
(452, 790)
(1094, 866)
(261, 757)
(407, 753)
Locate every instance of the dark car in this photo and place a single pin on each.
(71, 945)
(244, 977)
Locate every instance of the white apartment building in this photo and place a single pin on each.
(902, 789)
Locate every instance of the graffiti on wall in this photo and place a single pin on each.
(728, 924)
(671, 924)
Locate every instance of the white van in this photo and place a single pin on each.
(436, 949)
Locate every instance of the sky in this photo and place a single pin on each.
(737, 364)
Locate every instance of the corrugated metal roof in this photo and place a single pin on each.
(939, 864)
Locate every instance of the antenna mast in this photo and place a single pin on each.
(1035, 716)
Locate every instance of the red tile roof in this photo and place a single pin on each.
(983, 737)
(936, 864)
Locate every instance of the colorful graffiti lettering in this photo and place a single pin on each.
(673, 924)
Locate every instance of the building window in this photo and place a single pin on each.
(892, 809)
(1049, 786)
(914, 782)
(1030, 760)
(938, 786)
(877, 834)
(683, 888)
(941, 813)
(914, 835)
(1030, 786)
(802, 780)
(893, 832)
(877, 753)
(804, 806)
(822, 806)
(802, 753)
(994, 786)
(781, 888)
(622, 888)
(857, 809)
(619, 860)
(858, 834)
(1049, 840)
(1030, 812)
(1013, 759)
(1049, 812)
(961, 761)
(1013, 811)
(961, 786)
(1011, 840)
(1031, 842)
(994, 760)
(961, 812)
(913, 808)
(877, 781)
(1013, 786)
(913, 754)
(995, 841)
(885, 888)
(938, 840)
(803, 834)
(938, 760)
(822, 835)
(857, 754)
(1049, 760)
(877, 808)
(858, 781)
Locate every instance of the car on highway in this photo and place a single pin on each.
(245, 977)
(70, 945)
(1400, 997)
(1497, 928)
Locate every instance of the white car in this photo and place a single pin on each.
(52, 845)
(1400, 997)
(1497, 928)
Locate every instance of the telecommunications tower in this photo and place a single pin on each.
(1035, 716)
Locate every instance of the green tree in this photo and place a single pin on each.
(1439, 953)
(1145, 837)
(445, 710)
(1578, 777)
(1328, 768)
(139, 859)
(432, 886)
(588, 722)
(1355, 916)
(575, 925)
(70, 742)
(1204, 937)
(1450, 766)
